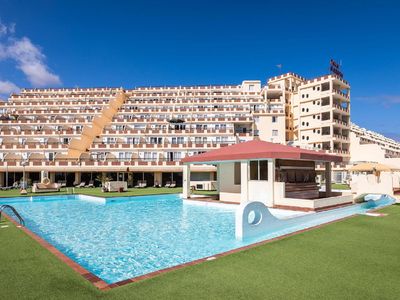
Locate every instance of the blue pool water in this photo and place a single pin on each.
(122, 238)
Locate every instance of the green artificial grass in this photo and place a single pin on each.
(357, 258)
(340, 186)
(206, 193)
(97, 192)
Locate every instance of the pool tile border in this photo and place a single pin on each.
(98, 282)
(102, 285)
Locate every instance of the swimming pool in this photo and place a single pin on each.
(125, 237)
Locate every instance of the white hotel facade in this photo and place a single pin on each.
(143, 133)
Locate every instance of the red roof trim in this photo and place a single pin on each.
(260, 150)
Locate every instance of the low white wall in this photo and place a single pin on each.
(315, 203)
(229, 197)
(371, 184)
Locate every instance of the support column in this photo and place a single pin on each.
(244, 186)
(186, 181)
(271, 183)
(328, 179)
(77, 178)
(52, 176)
(158, 178)
(45, 174)
(218, 177)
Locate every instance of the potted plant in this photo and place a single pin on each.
(103, 178)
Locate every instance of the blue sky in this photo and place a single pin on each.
(135, 43)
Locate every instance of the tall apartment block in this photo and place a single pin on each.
(79, 133)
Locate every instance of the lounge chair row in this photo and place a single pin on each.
(170, 184)
(143, 184)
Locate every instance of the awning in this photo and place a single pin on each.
(371, 167)
(260, 150)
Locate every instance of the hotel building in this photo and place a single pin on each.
(142, 134)
(370, 146)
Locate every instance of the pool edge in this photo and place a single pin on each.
(102, 285)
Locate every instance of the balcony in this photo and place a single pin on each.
(341, 94)
(341, 137)
(340, 122)
(343, 109)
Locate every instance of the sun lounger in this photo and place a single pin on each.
(167, 185)
(82, 184)
(143, 184)
(6, 188)
(62, 183)
(90, 185)
(156, 185)
(173, 184)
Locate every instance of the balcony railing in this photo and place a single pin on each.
(337, 121)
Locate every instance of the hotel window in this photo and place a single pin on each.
(274, 119)
(150, 156)
(111, 140)
(155, 140)
(259, 170)
(237, 173)
(274, 132)
(177, 140)
(176, 156)
(51, 156)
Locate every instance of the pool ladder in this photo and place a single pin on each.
(6, 206)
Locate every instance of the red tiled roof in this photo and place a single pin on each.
(260, 149)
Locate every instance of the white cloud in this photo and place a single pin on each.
(6, 29)
(31, 61)
(386, 100)
(7, 87)
(29, 58)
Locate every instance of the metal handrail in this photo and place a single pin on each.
(5, 206)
